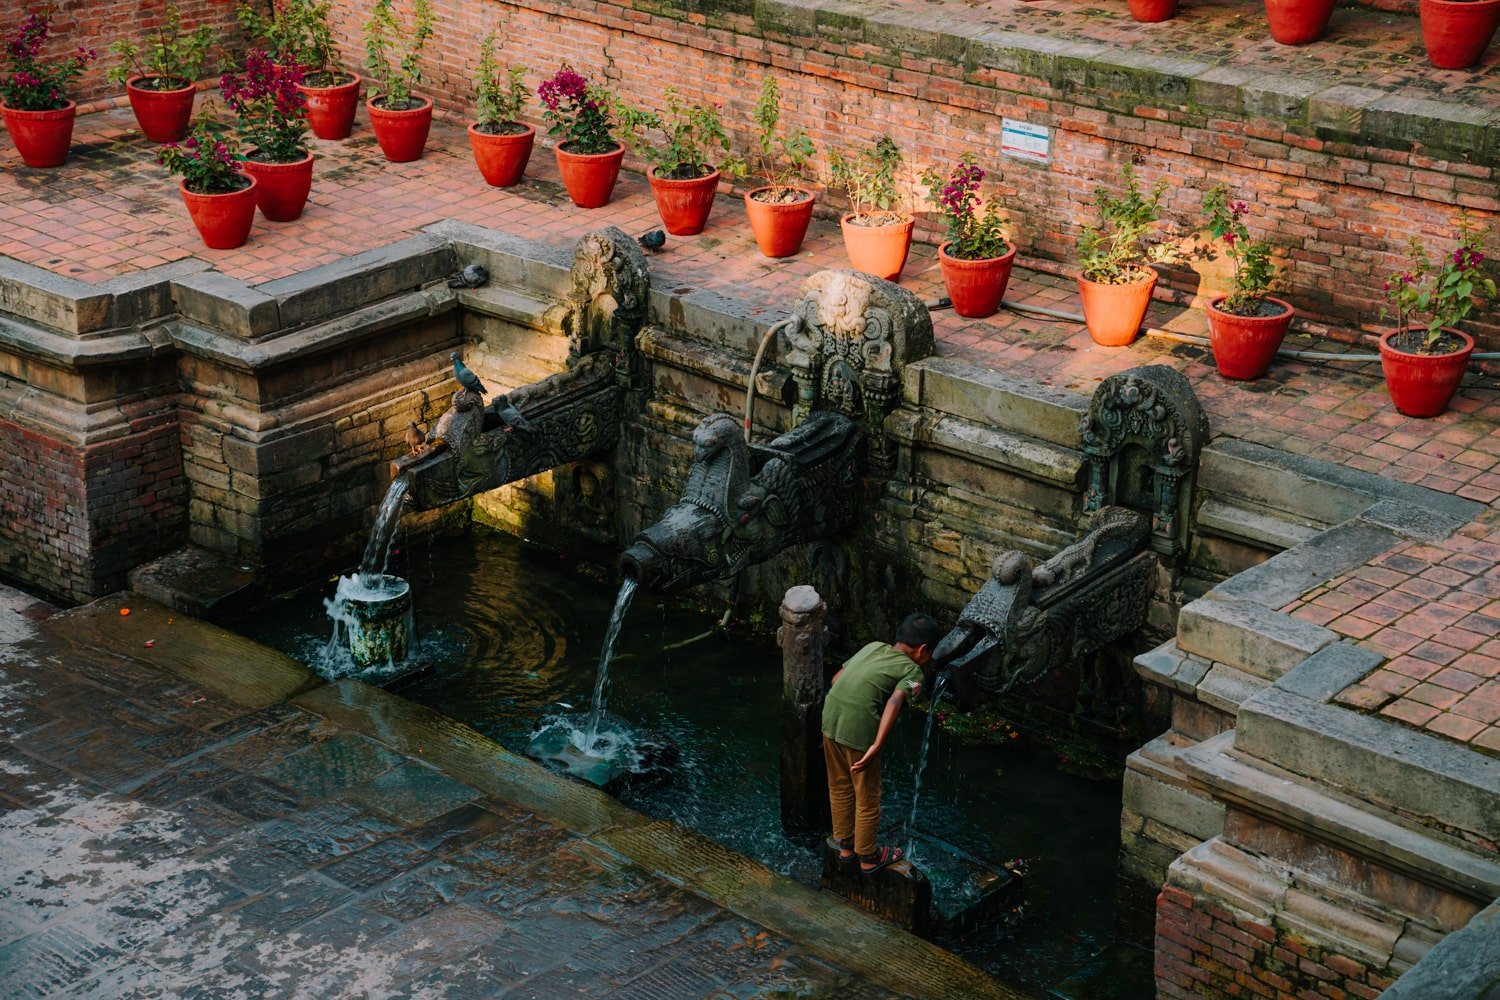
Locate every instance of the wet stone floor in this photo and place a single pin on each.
(158, 841)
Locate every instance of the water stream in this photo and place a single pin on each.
(916, 783)
(377, 555)
(601, 678)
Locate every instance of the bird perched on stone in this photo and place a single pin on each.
(653, 241)
(472, 276)
(512, 418)
(415, 439)
(465, 377)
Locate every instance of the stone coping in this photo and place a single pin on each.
(1465, 965)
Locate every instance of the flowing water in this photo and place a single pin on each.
(601, 679)
(511, 643)
(377, 555)
(916, 781)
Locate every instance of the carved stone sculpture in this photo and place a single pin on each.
(609, 290)
(744, 503)
(1032, 619)
(1142, 435)
(856, 335)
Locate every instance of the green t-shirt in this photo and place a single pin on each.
(852, 709)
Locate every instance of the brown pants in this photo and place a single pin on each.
(853, 797)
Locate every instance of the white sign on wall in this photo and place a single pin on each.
(1025, 142)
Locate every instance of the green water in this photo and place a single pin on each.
(511, 636)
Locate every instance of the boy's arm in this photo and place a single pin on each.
(887, 722)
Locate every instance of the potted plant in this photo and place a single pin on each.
(297, 32)
(1245, 326)
(877, 235)
(501, 143)
(272, 125)
(219, 197)
(400, 120)
(37, 114)
(976, 257)
(1423, 363)
(1115, 278)
(1297, 22)
(1152, 11)
(781, 211)
(588, 155)
(161, 74)
(1456, 32)
(683, 182)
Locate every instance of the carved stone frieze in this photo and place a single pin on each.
(1142, 435)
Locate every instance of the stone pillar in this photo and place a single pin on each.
(804, 781)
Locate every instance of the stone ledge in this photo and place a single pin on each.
(1248, 636)
(995, 400)
(317, 294)
(1168, 666)
(1156, 788)
(79, 308)
(1226, 688)
(996, 449)
(1288, 575)
(1465, 965)
(1244, 521)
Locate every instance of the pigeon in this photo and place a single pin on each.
(415, 439)
(472, 276)
(466, 378)
(512, 418)
(653, 241)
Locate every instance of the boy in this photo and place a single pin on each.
(859, 712)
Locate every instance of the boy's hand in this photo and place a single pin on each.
(869, 755)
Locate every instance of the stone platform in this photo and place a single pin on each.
(177, 819)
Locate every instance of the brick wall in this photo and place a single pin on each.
(96, 24)
(1344, 210)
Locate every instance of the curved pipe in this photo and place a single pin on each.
(760, 353)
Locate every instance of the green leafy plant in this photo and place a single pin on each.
(1254, 271)
(1117, 250)
(782, 157)
(272, 111)
(692, 133)
(868, 177)
(168, 60)
(296, 31)
(208, 158)
(33, 85)
(1445, 295)
(578, 111)
(972, 234)
(499, 98)
(393, 51)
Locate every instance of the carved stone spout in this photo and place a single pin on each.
(745, 503)
(1027, 619)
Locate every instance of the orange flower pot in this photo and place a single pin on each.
(223, 220)
(976, 286)
(684, 204)
(1114, 313)
(590, 177)
(330, 110)
(1422, 385)
(43, 138)
(779, 227)
(402, 134)
(162, 114)
(1245, 346)
(281, 188)
(502, 157)
(877, 250)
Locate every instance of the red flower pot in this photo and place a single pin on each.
(1455, 33)
(502, 158)
(1152, 11)
(402, 134)
(223, 220)
(41, 137)
(976, 286)
(1297, 22)
(1421, 385)
(684, 204)
(1244, 346)
(162, 114)
(589, 177)
(330, 110)
(281, 188)
(877, 250)
(779, 227)
(1114, 313)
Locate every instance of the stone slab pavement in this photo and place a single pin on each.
(160, 839)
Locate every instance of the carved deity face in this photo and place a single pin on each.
(842, 309)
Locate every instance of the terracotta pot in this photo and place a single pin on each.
(1297, 22)
(779, 228)
(330, 110)
(502, 159)
(281, 188)
(1244, 346)
(877, 250)
(684, 204)
(162, 114)
(1456, 34)
(402, 134)
(590, 177)
(223, 220)
(976, 286)
(1152, 11)
(41, 137)
(1421, 385)
(1114, 313)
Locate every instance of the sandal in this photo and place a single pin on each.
(871, 863)
(845, 849)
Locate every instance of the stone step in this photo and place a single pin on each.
(1247, 636)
